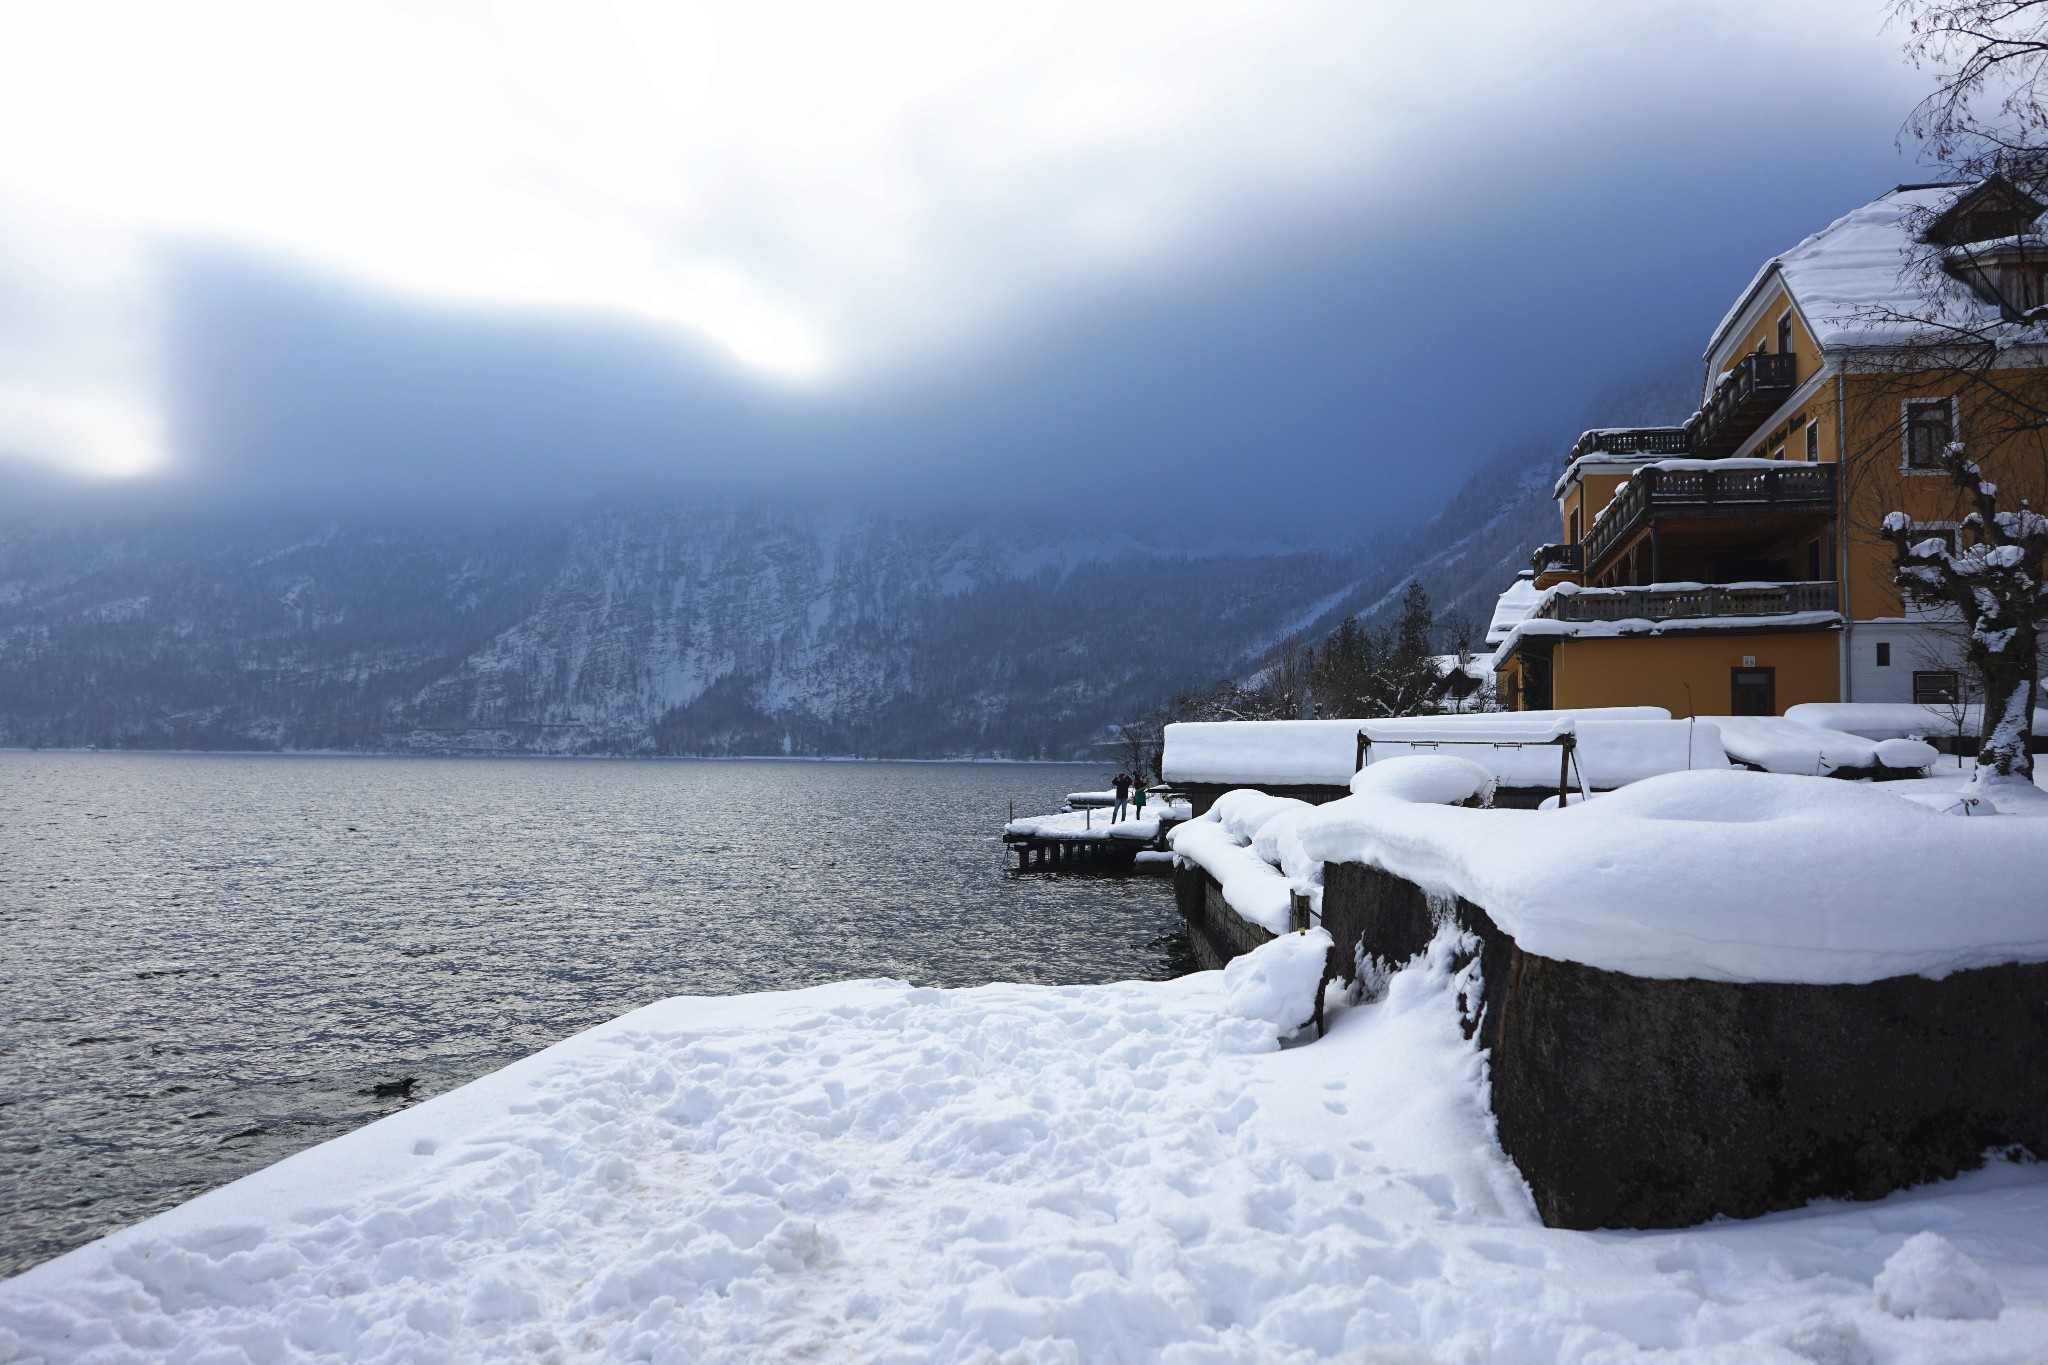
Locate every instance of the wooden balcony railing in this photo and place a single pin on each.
(1558, 559)
(1707, 492)
(1754, 388)
(1632, 441)
(1675, 603)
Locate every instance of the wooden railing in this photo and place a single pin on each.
(1707, 491)
(1558, 559)
(1656, 603)
(1754, 387)
(1632, 441)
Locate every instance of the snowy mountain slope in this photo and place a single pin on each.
(695, 627)
(671, 628)
(1469, 552)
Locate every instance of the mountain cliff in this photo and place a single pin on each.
(676, 626)
(643, 629)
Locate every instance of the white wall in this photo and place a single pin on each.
(1913, 646)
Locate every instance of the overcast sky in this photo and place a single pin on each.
(1261, 269)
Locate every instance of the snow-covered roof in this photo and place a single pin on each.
(1324, 753)
(1513, 607)
(1475, 666)
(1856, 267)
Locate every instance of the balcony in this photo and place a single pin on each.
(1752, 391)
(1774, 496)
(1632, 441)
(1675, 602)
(1558, 559)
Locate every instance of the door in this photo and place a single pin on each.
(1755, 692)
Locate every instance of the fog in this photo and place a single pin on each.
(1296, 292)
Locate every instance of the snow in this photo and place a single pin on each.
(1244, 813)
(1431, 779)
(1270, 752)
(1677, 625)
(1512, 606)
(870, 1171)
(1928, 1278)
(1780, 744)
(1951, 787)
(1094, 823)
(1258, 891)
(1325, 752)
(1849, 275)
(1250, 842)
(1728, 876)
(1609, 752)
(1894, 719)
(1276, 983)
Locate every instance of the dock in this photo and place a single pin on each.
(1084, 839)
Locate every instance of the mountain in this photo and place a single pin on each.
(650, 628)
(1466, 554)
(672, 626)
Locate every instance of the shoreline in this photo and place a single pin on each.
(602, 758)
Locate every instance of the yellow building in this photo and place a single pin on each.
(1734, 565)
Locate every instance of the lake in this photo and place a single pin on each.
(210, 962)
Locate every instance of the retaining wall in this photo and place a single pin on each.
(1631, 1102)
(1216, 932)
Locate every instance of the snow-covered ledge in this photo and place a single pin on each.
(1722, 993)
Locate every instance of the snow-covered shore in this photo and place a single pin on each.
(878, 1172)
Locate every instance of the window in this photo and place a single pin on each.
(1575, 526)
(1813, 561)
(1884, 653)
(1936, 689)
(1778, 452)
(1754, 692)
(2022, 288)
(1785, 334)
(1813, 443)
(1930, 427)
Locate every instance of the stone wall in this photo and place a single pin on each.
(1216, 932)
(1630, 1102)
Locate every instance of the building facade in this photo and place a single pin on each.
(1735, 565)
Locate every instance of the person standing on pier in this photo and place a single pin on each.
(1122, 809)
(1138, 798)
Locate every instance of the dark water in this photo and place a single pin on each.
(209, 963)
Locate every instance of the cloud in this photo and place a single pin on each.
(829, 194)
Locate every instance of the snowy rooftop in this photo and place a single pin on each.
(1732, 876)
(1856, 268)
(1324, 753)
(1512, 606)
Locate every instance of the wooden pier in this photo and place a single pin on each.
(1055, 844)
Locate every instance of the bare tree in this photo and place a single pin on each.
(1287, 683)
(1986, 114)
(1135, 741)
(1991, 574)
(1946, 649)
